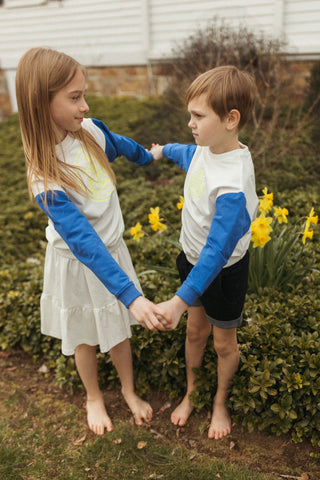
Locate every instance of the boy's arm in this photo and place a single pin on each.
(230, 222)
(180, 154)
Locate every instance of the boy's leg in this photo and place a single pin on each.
(226, 347)
(86, 362)
(198, 331)
(122, 359)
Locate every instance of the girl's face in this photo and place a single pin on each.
(208, 129)
(68, 107)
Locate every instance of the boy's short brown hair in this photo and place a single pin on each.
(227, 88)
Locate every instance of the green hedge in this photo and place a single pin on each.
(277, 386)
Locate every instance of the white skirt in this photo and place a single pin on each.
(77, 308)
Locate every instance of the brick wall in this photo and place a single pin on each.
(142, 81)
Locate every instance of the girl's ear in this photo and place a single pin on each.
(233, 119)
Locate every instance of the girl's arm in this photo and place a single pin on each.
(118, 145)
(89, 249)
(230, 222)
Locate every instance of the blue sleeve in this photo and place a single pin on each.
(117, 145)
(179, 154)
(86, 245)
(230, 222)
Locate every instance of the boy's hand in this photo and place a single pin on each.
(149, 315)
(156, 151)
(175, 307)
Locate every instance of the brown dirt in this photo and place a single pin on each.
(277, 456)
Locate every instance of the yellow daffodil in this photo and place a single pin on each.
(307, 234)
(136, 232)
(155, 220)
(261, 229)
(281, 214)
(265, 202)
(180, 203)
(312, 218)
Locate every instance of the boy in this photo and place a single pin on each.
(220, 204)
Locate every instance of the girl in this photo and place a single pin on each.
(91, 294)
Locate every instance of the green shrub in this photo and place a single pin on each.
(277, 385)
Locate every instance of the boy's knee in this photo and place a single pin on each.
(225, 347)
(196, 333)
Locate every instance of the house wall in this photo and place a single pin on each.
(124, 43)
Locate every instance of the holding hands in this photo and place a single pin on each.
(175, 307)
(149, 315)
(156, 151)
(164, 316)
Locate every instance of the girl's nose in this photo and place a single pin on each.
(84, 106)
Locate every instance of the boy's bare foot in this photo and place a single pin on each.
(183, 411)
(98, 419)
(141, 410)
(220, 422)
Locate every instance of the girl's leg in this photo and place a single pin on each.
(226, 347)
(122, 359)
(86, 362)
(198, 331)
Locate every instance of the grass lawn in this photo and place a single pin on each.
(43, 435)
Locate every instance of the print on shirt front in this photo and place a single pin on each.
(97, 181)
(196, 186)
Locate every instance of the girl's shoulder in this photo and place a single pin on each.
(92, 126)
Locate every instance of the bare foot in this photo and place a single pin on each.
(220, 422)
(140, 409)
(98, 419)
(183, 411)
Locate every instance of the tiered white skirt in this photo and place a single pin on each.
(77, 308)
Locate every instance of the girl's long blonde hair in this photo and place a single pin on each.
(41, 73)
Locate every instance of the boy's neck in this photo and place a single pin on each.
(233, 144)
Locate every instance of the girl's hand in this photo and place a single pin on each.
(149, 315)
(156, 151)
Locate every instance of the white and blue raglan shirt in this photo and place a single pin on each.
(220, 202)
(88, 226)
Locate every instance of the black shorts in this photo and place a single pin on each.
(224, 298)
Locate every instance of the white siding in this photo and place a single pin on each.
(132, 32)
(135, 32)
(302, 26)
(99, 32)
(171, 22)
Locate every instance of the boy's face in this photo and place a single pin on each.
(207, 127)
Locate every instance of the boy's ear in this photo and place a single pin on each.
(233, 119)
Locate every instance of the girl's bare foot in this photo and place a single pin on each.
(98, 419)
(141, 410)
(220, 422)
(183, 411)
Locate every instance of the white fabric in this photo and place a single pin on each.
(102, 207)
(77, 308)
(209, 176)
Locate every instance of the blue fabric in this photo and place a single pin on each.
(117, 145)
(230, 222)
(86, 245)
(180, 154)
